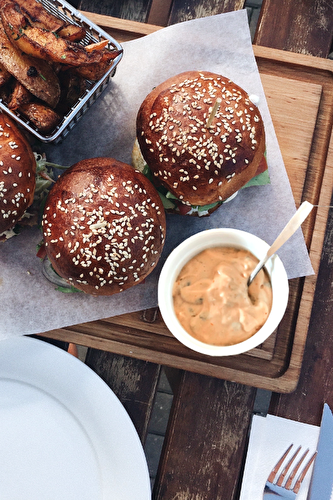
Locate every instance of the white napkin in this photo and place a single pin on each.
(269, 438)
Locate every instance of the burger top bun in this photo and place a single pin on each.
(199, 156)
(17, 174)
(103, 226)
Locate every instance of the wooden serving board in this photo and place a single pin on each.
(299, 92)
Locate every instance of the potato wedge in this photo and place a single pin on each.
(72, 32)
(96, 46)
(36, 75)
(42, 117)
(72, 88)
(5, 91)
(44, 44)
(20, 95)
(39, 16)
(95, 71)
(5, 76)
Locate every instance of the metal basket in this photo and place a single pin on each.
(64, 11)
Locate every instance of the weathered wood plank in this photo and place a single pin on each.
(122, 30)
(184, 10)
(133, 381)
(316, 381)
(136, 10)
(159, 12)
(207, 434)
(303, 26)
(307, 27)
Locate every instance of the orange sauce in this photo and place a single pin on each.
(211, 296)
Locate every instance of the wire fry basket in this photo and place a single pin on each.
(93, 89)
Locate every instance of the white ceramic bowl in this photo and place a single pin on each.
(213, 238)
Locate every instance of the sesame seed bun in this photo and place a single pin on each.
(201, 159)
(17, 174)
(103, 226)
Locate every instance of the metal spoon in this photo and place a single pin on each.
(297, 219)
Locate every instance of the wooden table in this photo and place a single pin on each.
(213, 402)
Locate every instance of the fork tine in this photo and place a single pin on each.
(278, 465)
(287, 467)
(295, 469)
(303, 473)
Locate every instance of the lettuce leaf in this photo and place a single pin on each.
(167, 197)
(259, 180)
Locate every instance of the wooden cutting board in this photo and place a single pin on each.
(299, 92)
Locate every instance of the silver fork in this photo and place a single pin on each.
(279, 485)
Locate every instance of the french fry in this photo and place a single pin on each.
(72, 88)
(96, 46)
(44, 44)
(39, 16)
(40, 57)
(72, 32)
(5, 91)
(5, 76)
(19, 96)
(36, 75)
(95, 71)
(44, 118)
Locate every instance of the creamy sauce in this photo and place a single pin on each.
(211, 296)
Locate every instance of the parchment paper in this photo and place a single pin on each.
(222, 43)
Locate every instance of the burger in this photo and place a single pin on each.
(201, 139)
(17, 175)
(103, 226)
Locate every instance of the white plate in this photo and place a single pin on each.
(63, 433)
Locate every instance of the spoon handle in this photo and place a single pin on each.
(297, 219)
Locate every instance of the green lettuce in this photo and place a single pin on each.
(167, 197)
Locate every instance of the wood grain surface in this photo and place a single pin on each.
(300, 98)
(298, 103)
(204, 448)
(303, 26)
(305, 404)
(206, 441)
(159, 12)
(135, 10)
(133, 381)
(184, 10)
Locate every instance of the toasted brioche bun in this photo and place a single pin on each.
(200, 161)
(103, 226)
(17, 174)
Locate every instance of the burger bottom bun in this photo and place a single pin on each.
(103, 226)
